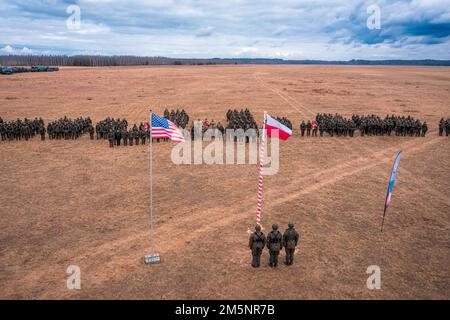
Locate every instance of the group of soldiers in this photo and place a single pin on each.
(275, 242)
(116, 130)
(179, 118)
(444, 125)
(21, 129)
(117, 133)
(103, 127)
(400, 125)
(370, 125)
(236, 120)
(217, 128)
(332, 125)
(240, 120)
(66, 128)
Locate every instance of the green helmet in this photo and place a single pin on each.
(275, 227)
(290, 225)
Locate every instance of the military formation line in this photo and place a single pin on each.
(370, 125)
(116, 131)
(68, 129)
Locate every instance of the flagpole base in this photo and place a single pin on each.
(152, 258)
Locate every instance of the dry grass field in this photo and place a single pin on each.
(81, 203)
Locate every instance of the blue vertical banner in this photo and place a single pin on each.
(391, 186)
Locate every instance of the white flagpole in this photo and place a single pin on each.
(152, 257)
(151, 183)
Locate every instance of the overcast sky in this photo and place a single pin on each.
(328, 30)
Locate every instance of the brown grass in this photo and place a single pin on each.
(79, 202)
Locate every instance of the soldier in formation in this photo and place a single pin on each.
(303, 128)
(314, 128)
(274, 244)
(257, 242)
(110, 137)
(290, 241)
(444, 126)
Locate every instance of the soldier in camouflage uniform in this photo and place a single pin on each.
(143, 135)
(125, 137)
(441, 126)
(91, 132)
(308, 128)
(256, 243)
(274, 244)
(136, 136)
(424, 129)
(118, 136)
(290, 241)
(3, 130)
(303, 128)
(130, 138)
(42, 132)
(111, 137)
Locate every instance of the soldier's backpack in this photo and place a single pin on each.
(290, 241)
(275, 242)
(259, 242)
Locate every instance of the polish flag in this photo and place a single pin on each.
(283, 131)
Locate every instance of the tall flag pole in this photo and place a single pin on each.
(391, 186)
(274, 128)
(152, 257)
(261, 172)
(160, 128)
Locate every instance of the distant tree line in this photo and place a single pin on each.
(102, 61)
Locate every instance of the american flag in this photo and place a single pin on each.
(163, 128)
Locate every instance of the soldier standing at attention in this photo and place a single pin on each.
(256, 243)
(42, 132)
(130, 138)
(118, 136)
(143, 135)
(274, 244)
(303, 128)
(91, 132)
(136, 137)
(125, 137)
(308, 128)
(314, 128)
(424, 128)
(321, 128)
(290, 240)
(441, 126)
(111, 138)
